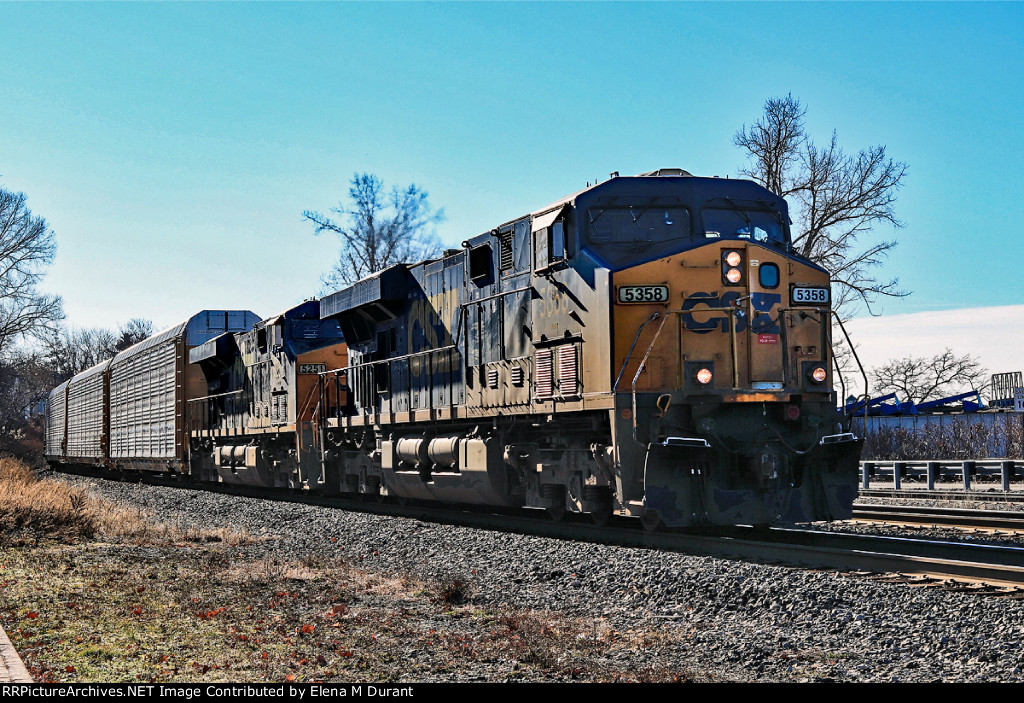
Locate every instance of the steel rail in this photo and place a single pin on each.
(945, 495)
(912, 514)
(800, 548)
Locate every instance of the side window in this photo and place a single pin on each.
(551, 244)
(541, 240)
(480, 263)
(556, 248)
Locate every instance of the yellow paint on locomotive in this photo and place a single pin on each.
(697, 327)
(307, 367)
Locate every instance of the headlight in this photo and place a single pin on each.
(732, 267)
(819, 374)
(703, 376)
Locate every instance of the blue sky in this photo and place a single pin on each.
(173, 147)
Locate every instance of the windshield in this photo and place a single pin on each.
(733, 223)
(627, 232)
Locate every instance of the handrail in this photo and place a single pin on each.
(216, 395)
(344, 370)
(341, 369)
(629, 356)
(643, 362)
(856, 358)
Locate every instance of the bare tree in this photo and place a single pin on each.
(838, 198)
(72, 350)
(133, 332)
(27, 247)
(918, 379)
(24, 379)
(383, 229)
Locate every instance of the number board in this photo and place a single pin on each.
(642, 294)
(809, 295)
(312, 368)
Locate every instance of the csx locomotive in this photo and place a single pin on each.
(650, 346)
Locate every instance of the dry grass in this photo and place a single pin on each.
(97, 611)
(33, 506)
(158, 603)
(49, 507)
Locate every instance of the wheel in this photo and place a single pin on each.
(651, 521)
(602, 515)
(556, 513)
(600, 499)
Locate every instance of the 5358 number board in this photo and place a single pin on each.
(642, 294)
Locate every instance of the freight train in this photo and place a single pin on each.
(650, 346)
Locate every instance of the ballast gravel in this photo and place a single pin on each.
(733, 620)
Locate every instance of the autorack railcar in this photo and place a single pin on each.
(129, 412)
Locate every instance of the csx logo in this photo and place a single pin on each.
(759, 302)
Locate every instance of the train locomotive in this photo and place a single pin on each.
(651, 346)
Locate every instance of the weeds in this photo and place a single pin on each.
(49, 508)
(28, 504)
(449, 589)
(960, 438)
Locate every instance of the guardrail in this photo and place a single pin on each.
(936, 469)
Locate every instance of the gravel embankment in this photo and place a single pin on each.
(740, 621)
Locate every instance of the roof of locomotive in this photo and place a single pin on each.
(702, 187)
(390, 283)
(226, 343)
(306, 309)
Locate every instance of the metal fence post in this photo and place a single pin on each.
(866, 470)
(898, 467)
(933, 470)
(968, 469)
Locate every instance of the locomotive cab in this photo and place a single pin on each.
(723, 389)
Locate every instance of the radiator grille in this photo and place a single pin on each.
(544, 373)
(567, 372)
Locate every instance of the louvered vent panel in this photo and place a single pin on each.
(517, 376)
(492, 378)
(85, 418)
(506, 251)
(544, 373)
(567, 372)
(55, 412)
(142, 405)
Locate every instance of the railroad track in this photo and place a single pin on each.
(993, 569)
(1000, 520)
(976, 496)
